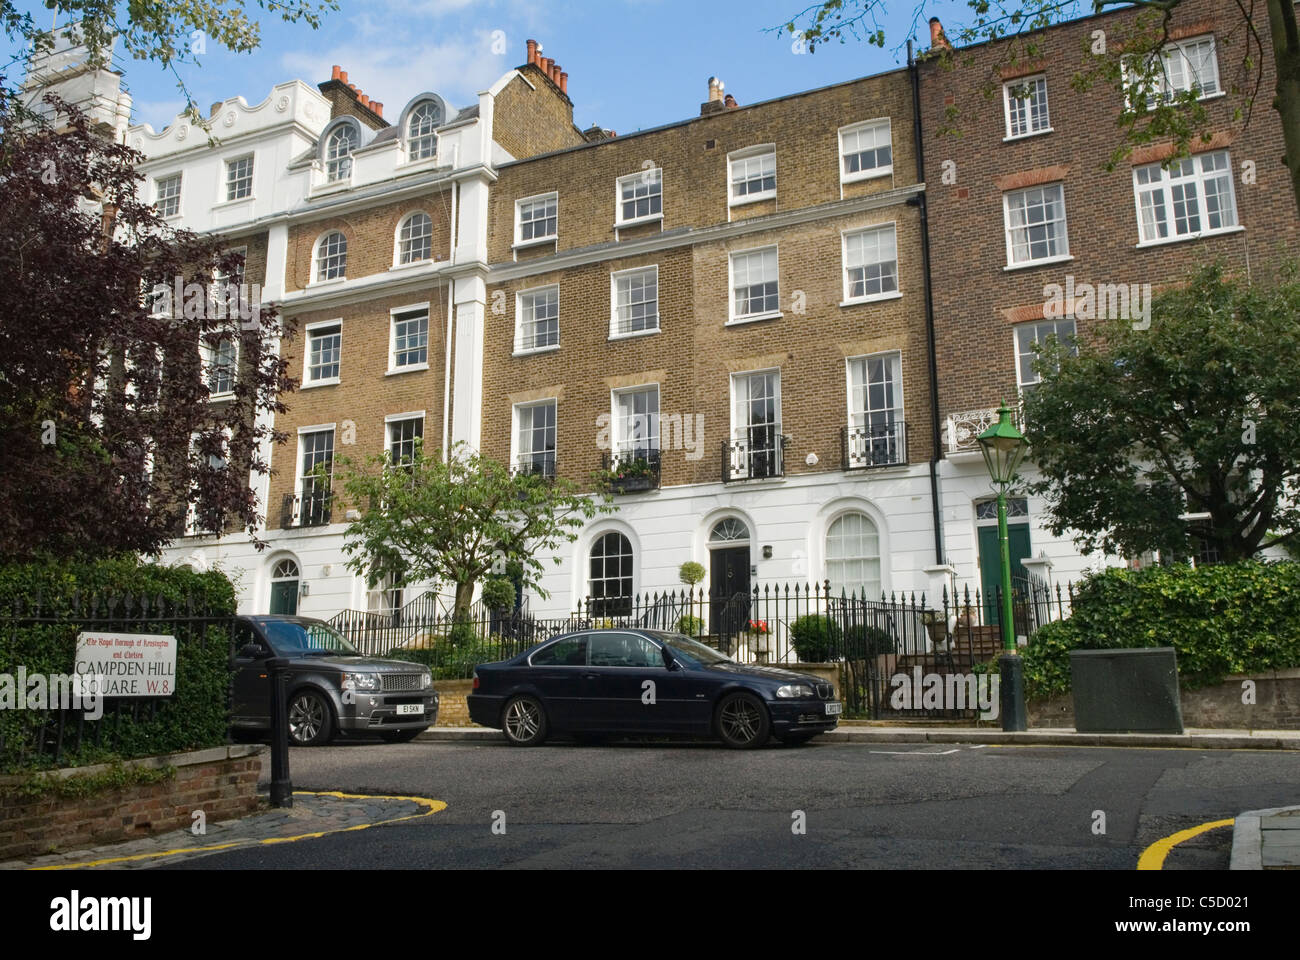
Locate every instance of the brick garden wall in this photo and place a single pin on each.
(1276, 706)
(222, 782)
(452, 710)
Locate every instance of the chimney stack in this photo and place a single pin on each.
(532, 51)
(377, 107)
(715, 89)
(937, 39)
(336, 72)
(212, 111)
(730, 102)
(342, 77)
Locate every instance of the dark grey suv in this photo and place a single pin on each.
(332, 687)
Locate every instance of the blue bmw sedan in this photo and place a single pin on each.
(593, 683)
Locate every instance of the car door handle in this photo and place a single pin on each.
(591, 676)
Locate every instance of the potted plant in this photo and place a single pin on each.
(757, 634)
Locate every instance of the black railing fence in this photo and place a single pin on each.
(45, 636)
(870, 639)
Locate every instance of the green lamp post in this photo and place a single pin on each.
(1003, 447)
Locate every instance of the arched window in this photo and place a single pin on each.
(853, 556)
(415, 239)
(331, 256)
(611, 576)
(421, 141)
(729, 529)
(338, 152)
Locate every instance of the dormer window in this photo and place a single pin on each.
(338, 153)
(421, 140)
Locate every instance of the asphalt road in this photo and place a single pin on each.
(697, 805)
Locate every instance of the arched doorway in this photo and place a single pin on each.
(284, 587)
(729, 578)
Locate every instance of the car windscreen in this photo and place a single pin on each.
(690, 649)
(292, 638)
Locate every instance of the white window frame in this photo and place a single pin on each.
(409, 142)
(734, 318)
(1163, 88)
(896, 293)
(656, 177)
(881, 171)
(1013, 264)
(342, 165)
(227, 183)
(393, 367)
(209, 353)
(520, 350)
(614, 279)
(1008, 100)
(299, 475)
(519, 223)
(1165, 186)
(838, 582)
(750, 153)
(316, 258)
(620, 443)
(158, 184)
(738, 430)
(1057, 323)
(395, 418)
(899, 409)
(397, 240)
(307, 380)
(515, 452)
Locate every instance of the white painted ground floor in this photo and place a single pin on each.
(863, 531)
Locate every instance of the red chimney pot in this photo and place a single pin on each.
(334, 73)
(343, 75)
(564, 83)
(532, 51)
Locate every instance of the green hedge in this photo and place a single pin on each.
(1221, 619)
(193, 717)
(449, 661)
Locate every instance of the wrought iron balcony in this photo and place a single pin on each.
(632, 470)
(878, 445)
(965, 426)
(535, 464)
(756, 457)
(312, 509)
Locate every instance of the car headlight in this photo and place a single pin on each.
(426, 680)
(795, 691)
(361, 681)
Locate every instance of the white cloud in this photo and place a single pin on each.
(156, 113)
(394, 72)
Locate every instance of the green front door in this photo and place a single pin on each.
(284, 597)
(991, 563)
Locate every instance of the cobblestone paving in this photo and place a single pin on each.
(312, 815)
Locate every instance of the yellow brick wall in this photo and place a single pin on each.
(528, 121)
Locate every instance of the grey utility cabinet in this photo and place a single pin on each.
(1126, 691)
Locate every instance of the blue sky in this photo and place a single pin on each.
(632, 64)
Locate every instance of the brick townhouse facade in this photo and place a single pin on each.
(730, 314)
(728, 311)
(1019, 199)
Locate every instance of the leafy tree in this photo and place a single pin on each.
(106, 421)
(1197, 415)
(456, 521)
(167, 32)
(1128, 58)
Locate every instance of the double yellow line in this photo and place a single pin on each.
(429, 808)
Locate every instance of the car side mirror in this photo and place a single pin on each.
(670, 662)
(252, 651)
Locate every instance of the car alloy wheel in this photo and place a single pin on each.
(743, 722)
(524, 722)
(310, 721)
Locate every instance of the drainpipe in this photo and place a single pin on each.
(447, 325)
(920, 198)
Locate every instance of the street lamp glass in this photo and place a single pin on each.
(1003, 447)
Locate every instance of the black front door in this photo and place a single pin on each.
(729, 591)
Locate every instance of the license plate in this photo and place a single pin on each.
(410, 709)
(834, 707)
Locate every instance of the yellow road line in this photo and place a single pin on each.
(430, 808)
(1153, 857)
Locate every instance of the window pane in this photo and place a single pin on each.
(539, 319)
(416, 240)
(331, 256)
(636, 301)
(325, 345)
(410, 338)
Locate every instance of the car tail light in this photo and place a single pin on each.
(476, 680)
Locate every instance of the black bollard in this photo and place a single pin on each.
(281, 786)
(1012, 689)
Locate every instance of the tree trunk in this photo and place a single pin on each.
(1286, 57)
(464, 597)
